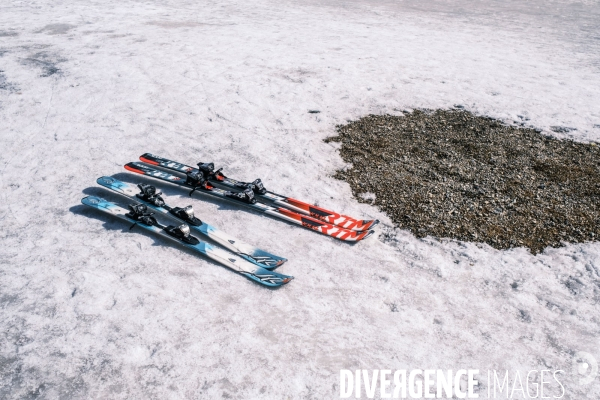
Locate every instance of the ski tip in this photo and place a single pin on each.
(274, 263)
(264, 259)
(371, 232)
(373, 223)
(269, 278)
(365, 225)
(280, 262)
(361, 236)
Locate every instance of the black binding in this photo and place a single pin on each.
(181, 232)
(247, 196)
(258, 187)
(140, 213)
(208, 170)
(196, 180)
(148, 193)
(186, 214)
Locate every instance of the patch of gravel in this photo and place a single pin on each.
(452, 174)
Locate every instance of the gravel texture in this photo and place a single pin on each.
(452, 174)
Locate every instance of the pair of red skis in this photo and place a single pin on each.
(255, 196)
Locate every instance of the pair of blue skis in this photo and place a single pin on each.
(247, 260)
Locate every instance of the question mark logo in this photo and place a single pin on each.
(585, 366)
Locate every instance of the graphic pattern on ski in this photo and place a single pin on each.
(181, 235)
(246, 199)
(298, 206)
(146, 194)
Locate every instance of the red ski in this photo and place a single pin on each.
(263, 195)
(195, 180)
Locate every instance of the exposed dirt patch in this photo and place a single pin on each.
(449, 173)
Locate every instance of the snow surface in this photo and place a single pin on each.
(91, 310)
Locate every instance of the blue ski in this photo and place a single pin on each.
(146, 194)
(139, 215)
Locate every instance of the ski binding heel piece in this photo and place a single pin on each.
(247, 196)
(181, 232)
(258, 187)
(207, 168)
(186, 214)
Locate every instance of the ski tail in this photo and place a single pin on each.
(120, 187)
(134, 168)
(143, 169)
(150, 159)
(100, 204)
(165, 163)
